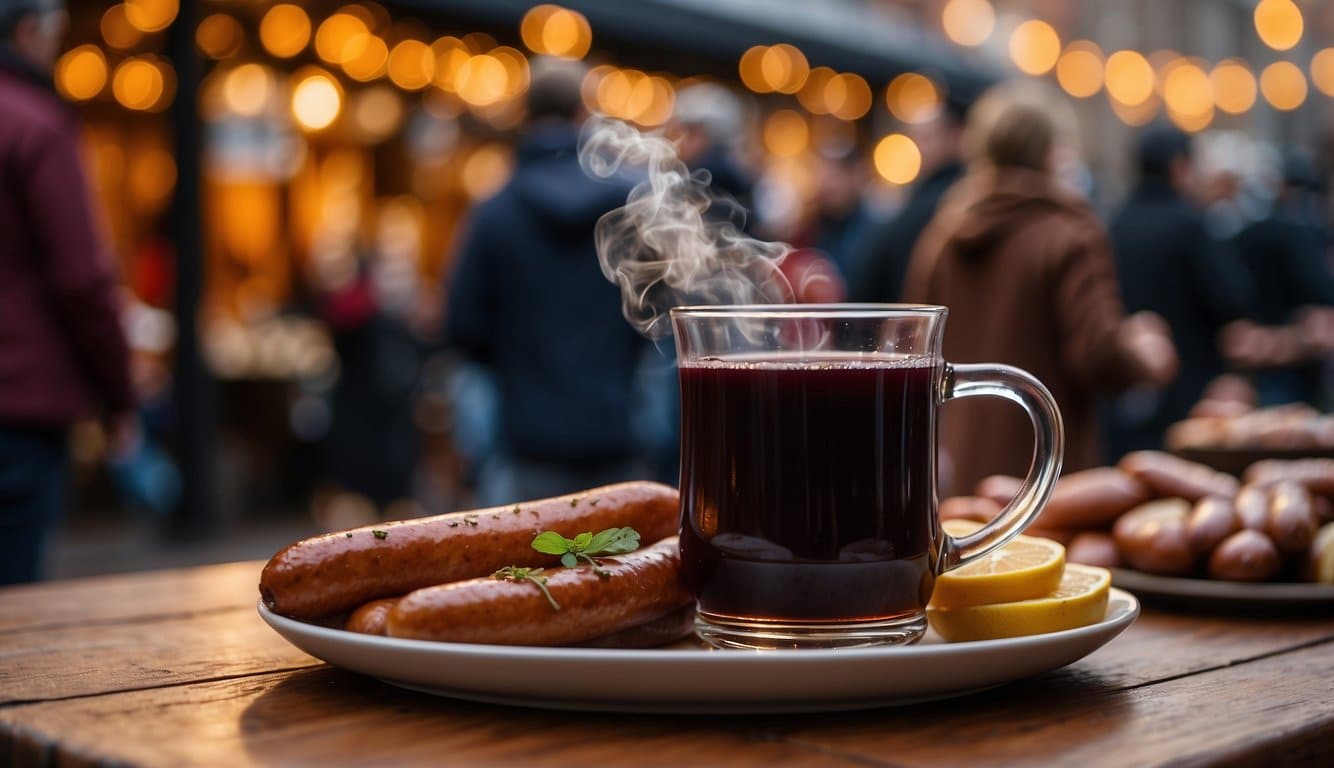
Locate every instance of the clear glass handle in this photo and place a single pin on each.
(988, 380)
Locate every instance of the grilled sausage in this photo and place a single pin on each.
(1316, 474)
(1090, 499)
(1291, 523)
(1252, 506)
(337, 572)
(1093, 548)
(1212, 520)
(1171, 476)
(636, 588)
(370, 618)
(1152, 538)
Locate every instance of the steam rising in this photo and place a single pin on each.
(675, 241)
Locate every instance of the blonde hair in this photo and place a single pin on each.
(1016, 124)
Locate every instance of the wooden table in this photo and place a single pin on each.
(175, 668)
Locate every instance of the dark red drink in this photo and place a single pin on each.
(808, 488)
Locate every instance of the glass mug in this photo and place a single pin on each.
(808, 470)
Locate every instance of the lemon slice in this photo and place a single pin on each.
(1023, 569)
(1081, 600)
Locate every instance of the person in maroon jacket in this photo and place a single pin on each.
(62, 349)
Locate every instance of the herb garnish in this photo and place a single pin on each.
(379, 534)
(515, 573)
(613, 541)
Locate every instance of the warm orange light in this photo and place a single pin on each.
(316, 100)
(150, 178)
(1278, 23)
(1322, 70)
(968, 22)
(285, 30)
(341, 37)
(370, 63)
(812, 94)
(151, 15)
(786, 133)
(530, 29)
(912, 98)
(848, 96)
(411, 65)
(784, 68)
(751, 69)
(218, 36)
(1137, 114)
(117, 29)
(1234, 86)
(246, 90)
(481, 80)
(592, 82)
(450, 55)
(377, 113)
(516, 69)
(486, 170)
(1187, 90)
(81, 73)
(1079, 71)
(140, 84)
(1129, 78)
(660, 106)
(1034, 47)
(897, 159)
(1283, 85)
(567, 34)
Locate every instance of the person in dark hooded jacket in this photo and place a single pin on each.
(1027, 274)
(528, 300)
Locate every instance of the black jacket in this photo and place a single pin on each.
(1167, 263)
(528, 299)
(881, 269)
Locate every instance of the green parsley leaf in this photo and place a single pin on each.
(381, 535)
(582, 541)
(515, 573)
(551, 543)
(569, 560)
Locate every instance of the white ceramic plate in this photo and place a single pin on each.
(1224, 594)
(699, 680)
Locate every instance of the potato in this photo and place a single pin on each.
(1320, 560)
(1252, 507)
(1212, 520)
(1152, 538)
(1246, 555)
(1291, 523)
(1093, 548)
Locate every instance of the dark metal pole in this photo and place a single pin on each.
(193, 387)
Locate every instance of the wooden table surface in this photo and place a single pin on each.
(175, 668)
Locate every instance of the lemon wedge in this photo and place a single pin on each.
(1080, 600)
(1023, 569)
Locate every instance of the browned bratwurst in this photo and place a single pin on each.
(1171, 476)
(636, 588)
(1091, 498)
(1316, 474)
(337, 572)
(370, 618)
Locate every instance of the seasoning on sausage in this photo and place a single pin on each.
(337, 572)
(637, 587)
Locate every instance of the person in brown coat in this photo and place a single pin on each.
(1026, 271)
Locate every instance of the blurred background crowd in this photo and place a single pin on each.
(270, 268)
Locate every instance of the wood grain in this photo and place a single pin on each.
(1273, 711)
(135, 597)
(327, 718)
(38, 665)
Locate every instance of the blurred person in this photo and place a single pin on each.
(883, 263)
(1286, 254)
(1027, 274)
(63, 352)
(528, 299)
(841, 221)
(706, 120)
(1168, 264)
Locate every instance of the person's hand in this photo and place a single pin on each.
(1146, 337)
(123, 436)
